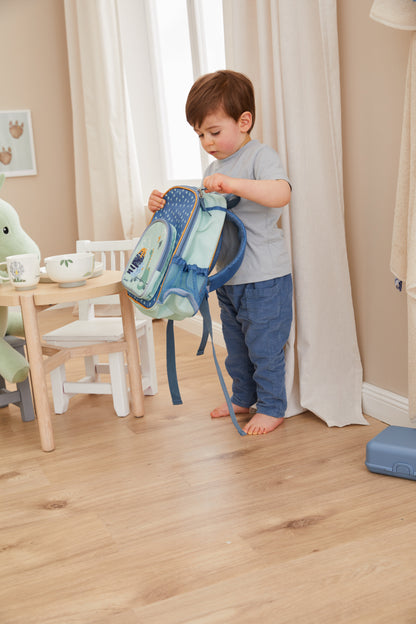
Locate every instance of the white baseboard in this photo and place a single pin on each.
(194, 326)
(386, 406)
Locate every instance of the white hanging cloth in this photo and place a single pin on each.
(401, 14)
(403, 253)
(395, 13)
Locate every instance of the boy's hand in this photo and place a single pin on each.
(156, 201)
(269, 193)
(218, 183)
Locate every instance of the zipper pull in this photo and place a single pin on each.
(201, 192)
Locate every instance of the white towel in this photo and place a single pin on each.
(396, 13)
(402, 14)
(403, 253)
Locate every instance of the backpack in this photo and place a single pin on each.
(168, 275)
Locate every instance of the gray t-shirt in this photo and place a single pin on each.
(266, 254)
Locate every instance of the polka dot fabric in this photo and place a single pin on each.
(180, 204)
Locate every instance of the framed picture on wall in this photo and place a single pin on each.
(17, 152)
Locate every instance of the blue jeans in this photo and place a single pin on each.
(256, 320)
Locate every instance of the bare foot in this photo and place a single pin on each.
(222, 410)
(261, 424)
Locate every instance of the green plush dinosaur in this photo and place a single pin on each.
(13, 240)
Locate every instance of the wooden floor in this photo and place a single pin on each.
(176, 519)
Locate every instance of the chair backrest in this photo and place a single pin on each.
(114, 255)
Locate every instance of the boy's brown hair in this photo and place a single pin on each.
(225, 89)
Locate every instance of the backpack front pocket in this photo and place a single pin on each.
(152, 254)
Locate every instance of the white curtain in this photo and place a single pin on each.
(290, 51)
(108, 191)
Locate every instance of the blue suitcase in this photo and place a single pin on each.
(393, 452)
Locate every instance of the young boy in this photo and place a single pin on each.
(256, 304)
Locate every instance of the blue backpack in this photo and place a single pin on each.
(168, 275)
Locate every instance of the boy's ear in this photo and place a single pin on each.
(245, 121)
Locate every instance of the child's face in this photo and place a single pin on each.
(221, 135)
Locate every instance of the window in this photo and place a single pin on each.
(188, 41)
(166, 45)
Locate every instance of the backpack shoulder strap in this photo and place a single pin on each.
(226, 273)
(232, 201)
(206, 315)
(171, 364)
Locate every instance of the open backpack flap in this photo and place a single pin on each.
(169, 276)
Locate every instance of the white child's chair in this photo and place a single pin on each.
(91, 328)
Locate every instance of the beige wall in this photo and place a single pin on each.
(34, 76)
(373, 64)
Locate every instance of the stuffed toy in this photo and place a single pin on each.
(13, 240)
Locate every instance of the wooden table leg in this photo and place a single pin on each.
(37, 371)
(133, 362)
